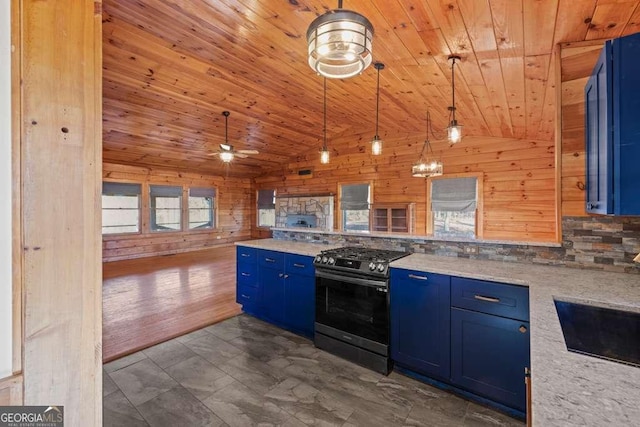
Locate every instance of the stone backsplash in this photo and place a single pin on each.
(601, 243)
(320, 206)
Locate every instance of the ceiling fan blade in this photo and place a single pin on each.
(240, 155)
(213, 154)
(248, 151)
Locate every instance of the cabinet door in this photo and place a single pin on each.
(598, 136)
(420, 323)
(272, 282)
(299, 303)
(489, 354)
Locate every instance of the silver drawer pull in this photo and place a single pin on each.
(246, 274)
(245, 296)
(281, 275)
(413, 276)
(270, 260)
(487, 299)
(245, 255)
(286, 276)
(299, 265)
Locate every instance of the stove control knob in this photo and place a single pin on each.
(331, 261)
(380, 267)
(318, 258)
(372, 266)
(324, 259)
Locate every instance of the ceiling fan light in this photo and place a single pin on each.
(226, 156)
(339, 44)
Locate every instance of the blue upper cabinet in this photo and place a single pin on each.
(612, 106)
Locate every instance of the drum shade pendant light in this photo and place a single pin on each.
(376, 142)
(454, 130)
(339, 43)
(428, 166)
(324, 154)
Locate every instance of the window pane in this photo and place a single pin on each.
(355, 220)
(266, 217)
(454, 224)
(165, 213)
(200, 212)
(120, 214)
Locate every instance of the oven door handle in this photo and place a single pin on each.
(354, 280)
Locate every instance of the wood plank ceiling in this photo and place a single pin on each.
(172, 66)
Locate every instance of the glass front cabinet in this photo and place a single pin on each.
(392, 217)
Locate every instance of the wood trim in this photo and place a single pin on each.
(11, 391)
(16, 176)
(479, 202)
(558, 141)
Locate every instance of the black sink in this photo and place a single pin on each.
(600, 332)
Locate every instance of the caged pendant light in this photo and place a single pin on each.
(428, 166)
(339, 43)
(324, 154)
(376, 142)
(454, 130)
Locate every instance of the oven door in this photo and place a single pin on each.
(355, 305)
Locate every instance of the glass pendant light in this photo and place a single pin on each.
(454, 130)
(376, 142)
(324, 154)
(339, 43)
(428, 166)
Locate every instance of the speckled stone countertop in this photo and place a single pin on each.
(568, 389)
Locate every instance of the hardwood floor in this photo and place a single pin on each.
(150, 300)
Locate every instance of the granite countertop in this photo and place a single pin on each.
(568, 388)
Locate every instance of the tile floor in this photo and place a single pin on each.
(244, 372)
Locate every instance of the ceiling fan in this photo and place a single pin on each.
(226, 152)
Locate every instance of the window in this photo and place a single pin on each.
(120, 208)
(266, 208)
(165, 204)
(454, 207)
(354, 203)
(201, 208)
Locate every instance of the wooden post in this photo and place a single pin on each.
(61, 157)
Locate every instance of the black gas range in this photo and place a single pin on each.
(352, 304)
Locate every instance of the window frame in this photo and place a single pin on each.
(187, 210)
(479, 227)
(152, 210)
(266, 227)
(341, 217)
(140, 210)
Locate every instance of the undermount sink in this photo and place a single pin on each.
(600, 332)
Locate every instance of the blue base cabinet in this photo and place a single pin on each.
(277, 287)
(612, 129)
(490, 339)
(420, 327)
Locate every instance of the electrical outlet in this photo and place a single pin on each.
(218, 237)
(470, 249)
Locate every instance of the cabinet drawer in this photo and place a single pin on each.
(399, 275)
(247, 273)
(271, 259)
(247, 295)
(245, 254)
(299, 264)
(490, 297)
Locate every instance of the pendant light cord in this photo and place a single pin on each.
(324, 130)
(377, 101)
(453, 89)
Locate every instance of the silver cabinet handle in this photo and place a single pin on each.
(286, 276)
(245, 274)
(245, 296)
(245, 255)
(413, 276)
(280, 275)
(270, 260)
(487, 299)
(298, 265)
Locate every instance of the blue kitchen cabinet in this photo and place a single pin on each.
(299, 290)
(612, 130)
(490, 339)
(248, 289)
(420, 322)
(271, 275)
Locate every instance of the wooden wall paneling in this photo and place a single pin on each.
(234, 209)
(16, 189)
(61, 160)
(11, 391)
(633, 26)
(609, 19)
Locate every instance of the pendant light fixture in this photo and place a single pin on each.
(454, 131)
(376, 142)
(324, 154)
(428, 166)
(339, 43)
